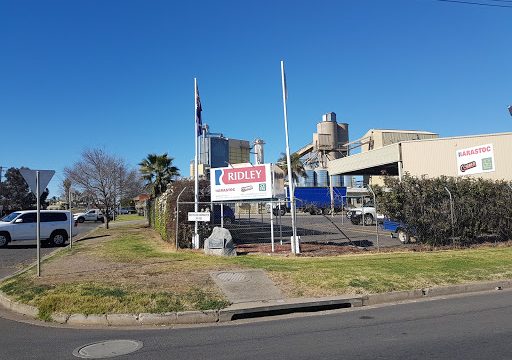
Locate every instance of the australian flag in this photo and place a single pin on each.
(199, 123)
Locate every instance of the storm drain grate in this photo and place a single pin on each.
(231, 277)
(107, 349)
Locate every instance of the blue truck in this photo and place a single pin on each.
(314, 200)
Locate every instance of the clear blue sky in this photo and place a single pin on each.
(119, 74)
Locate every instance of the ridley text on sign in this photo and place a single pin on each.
(241, 183)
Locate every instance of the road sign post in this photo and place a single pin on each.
(37, 180)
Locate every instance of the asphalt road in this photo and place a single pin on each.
(18, 255)
(311, 228)
(467, 327)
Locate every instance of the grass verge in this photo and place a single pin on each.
(131, 271)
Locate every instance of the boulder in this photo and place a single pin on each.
(220, 243)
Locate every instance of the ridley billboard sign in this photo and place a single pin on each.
(475, 160)
(244, 182)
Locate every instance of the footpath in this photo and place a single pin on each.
(252, 294)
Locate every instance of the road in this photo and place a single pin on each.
(467, 327)
(22, 253)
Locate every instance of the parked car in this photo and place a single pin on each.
(127, 210)
(227, 212)
(400, 230)
(21, 225)
(90, 215)
(355, 215)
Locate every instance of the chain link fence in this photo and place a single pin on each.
(269, 223)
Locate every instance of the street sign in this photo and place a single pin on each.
(199, 216)
(30, 177)
(37, 181)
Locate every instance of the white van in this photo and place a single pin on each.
(22, 225)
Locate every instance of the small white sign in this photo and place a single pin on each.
(199, 216)
(475, 160)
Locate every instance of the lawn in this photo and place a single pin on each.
(130, 270)
(128, 217)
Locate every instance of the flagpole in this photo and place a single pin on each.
(294, 240)
(195, 240)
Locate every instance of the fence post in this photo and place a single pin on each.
(177, 217)
(272, 223)
(451, 213)
(376, 217)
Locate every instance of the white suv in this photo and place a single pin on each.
(21, 225)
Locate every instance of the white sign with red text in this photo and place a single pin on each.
(244, 182)
(475, 160)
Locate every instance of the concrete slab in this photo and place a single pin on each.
(244, 286)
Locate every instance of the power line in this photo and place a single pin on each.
(480, 3)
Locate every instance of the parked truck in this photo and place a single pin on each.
(314, 200)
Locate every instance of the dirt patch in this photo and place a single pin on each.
(88, 263)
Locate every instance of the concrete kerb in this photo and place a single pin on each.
(248, 310)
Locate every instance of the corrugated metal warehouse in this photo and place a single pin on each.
(488, 156)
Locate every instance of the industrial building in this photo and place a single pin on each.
(216, 151)
(485, 156)
(328, 143)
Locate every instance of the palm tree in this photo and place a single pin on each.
(296, 165)
(158, 171)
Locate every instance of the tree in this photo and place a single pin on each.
(102, 177)
(296, 165)
(158, 171)
(66, 188)
(15, 193)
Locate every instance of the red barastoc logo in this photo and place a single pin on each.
(469, 165)
(244, 175)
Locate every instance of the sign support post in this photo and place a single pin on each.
(37, 180)
(38, 228)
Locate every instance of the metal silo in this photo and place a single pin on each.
(258, 152)
(310, 179)
(336, 180)
(322, 177)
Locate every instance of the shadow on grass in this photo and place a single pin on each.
(91, 237)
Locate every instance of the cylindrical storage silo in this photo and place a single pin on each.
(327, 135)
(309, 180)
(336, 180)
(322, 177)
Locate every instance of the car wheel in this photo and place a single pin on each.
(368, 219)
(58, 238)
(81, 220)
(228, 221)
(4, 239)
(102, 220)
(282, 211)
(356, 220)
(403, 236)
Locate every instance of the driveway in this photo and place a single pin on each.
(18, 255)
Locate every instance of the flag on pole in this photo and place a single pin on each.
(199, 123)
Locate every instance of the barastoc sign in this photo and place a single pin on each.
(241, 183)
(475, 160)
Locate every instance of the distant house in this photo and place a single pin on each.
(141, 203)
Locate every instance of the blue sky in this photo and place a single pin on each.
(118, 74)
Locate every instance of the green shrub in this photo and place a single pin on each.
(481, 208)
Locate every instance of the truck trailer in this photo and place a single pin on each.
(314, 200)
